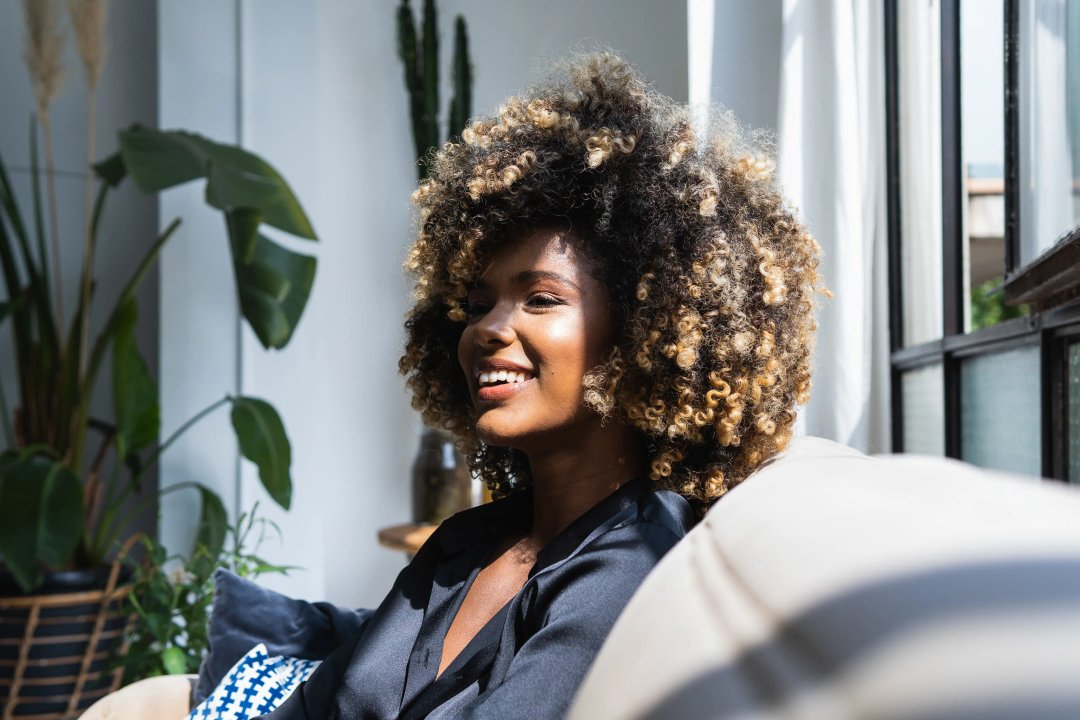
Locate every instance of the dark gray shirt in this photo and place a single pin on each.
(528, 661)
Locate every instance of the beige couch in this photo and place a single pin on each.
(833, 585)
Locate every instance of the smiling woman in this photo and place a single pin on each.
(538, 314)
(613, 316)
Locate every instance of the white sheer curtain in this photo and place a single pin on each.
(832, 163)
(919, 49)
(1046, 172)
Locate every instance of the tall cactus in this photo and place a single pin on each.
(461, 103)
(420, 57)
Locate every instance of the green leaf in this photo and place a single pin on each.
(135, 398)
(174, 660)
(11, 207)
(261, 567)
(263, 441)
(213, 528)
(243, 227)
(274, 289)
(159, 160)
(41, 516)
(239, 179)
(236, 178)
(111, 169)
(6, 308)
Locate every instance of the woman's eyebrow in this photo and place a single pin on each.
(529, 276)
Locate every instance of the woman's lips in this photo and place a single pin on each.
(503, 391)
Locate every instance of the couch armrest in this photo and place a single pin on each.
(167, 697)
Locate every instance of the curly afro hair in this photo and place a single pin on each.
(713, 279)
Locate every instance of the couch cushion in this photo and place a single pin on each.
(256, 685)
(245, 614)
(831, 584)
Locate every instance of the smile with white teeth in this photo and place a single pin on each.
(501, 376)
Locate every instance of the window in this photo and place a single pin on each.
(983, 127)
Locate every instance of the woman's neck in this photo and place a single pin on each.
(570, 477)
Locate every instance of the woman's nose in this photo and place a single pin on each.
(495, 328)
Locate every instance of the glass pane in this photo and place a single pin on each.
(919, 48)
(982, 113)
(999, 411)
(1049, 77)
(923, 396)
(1074, 413)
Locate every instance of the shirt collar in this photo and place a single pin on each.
(514, 514)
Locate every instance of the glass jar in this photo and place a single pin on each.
(441, 484)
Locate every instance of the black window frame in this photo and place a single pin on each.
(1053, 278)
(1049, 284)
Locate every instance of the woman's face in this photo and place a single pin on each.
(538, 321)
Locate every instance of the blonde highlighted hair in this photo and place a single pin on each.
(713, 279)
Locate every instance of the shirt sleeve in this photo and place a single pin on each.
(576, 612)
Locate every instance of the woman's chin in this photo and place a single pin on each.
(494, 432)
(497, 438)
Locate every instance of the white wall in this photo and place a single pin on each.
(197, 91)
(747, 53)
(326, 112)
(126, 95)
(512, 42)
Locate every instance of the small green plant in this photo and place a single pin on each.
(420, 56)
(988, 305)
(172, 598)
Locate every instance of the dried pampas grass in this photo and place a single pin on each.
(44, 48)
(88, 22)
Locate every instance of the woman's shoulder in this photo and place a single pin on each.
(668, 510)
(641, 537)
(655, 516)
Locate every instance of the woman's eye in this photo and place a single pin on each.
(543, 300)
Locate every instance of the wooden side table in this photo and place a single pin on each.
(407, 538)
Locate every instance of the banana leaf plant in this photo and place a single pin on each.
(58, 509)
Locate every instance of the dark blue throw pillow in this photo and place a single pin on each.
(245, 615)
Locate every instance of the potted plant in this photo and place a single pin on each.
(62, 507)
(172, 597)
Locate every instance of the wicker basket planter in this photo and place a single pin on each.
(55, 649)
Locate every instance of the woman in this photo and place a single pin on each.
(614, 318)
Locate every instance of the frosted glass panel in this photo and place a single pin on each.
(923, 398)
(1074, 413)
(999, 411)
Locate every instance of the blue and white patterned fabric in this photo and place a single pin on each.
(256, 685)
